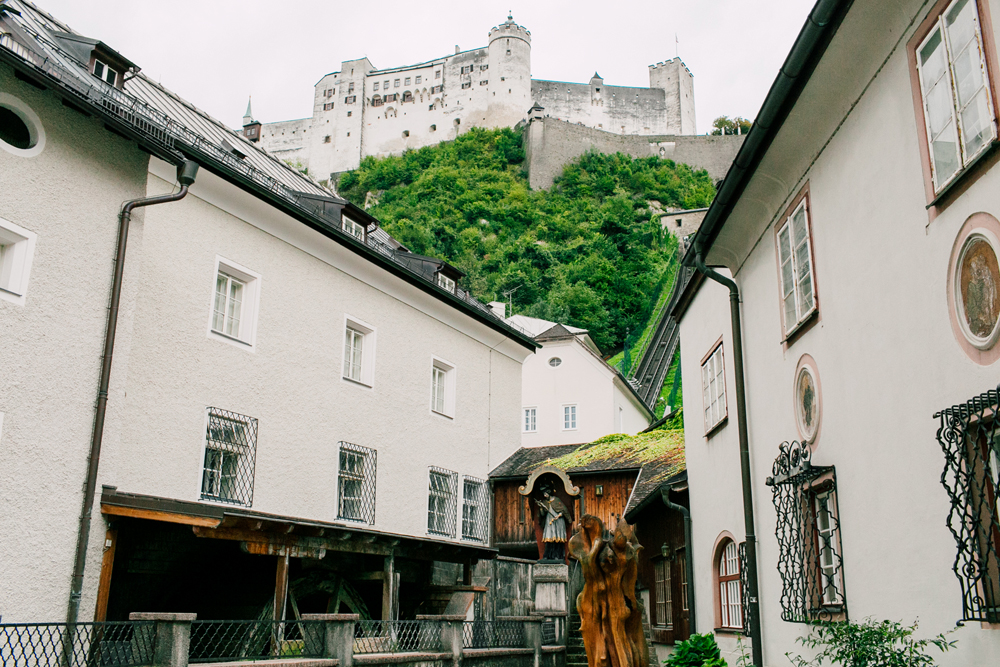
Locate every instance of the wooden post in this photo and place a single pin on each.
(390, 589)
(104, 585)
(281, 588)
(467, 572)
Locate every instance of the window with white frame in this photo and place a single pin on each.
(569, 417)
(234, 303)
(441, 502)
(442, 388)
(375, 86)
(105, 73)
(356, 483)
(730, 604)
(828, 541)
(530, 420)
(355, 229)
(359, 352)
(798, 290)
(17, 247)
(446, 282)
(230, 453)
(475, 509)
(713, 383)
(664, 610)
(955, 91)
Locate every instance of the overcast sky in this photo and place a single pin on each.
(216, 53)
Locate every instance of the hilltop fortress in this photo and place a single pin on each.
(361, 111)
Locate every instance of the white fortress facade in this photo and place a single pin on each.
(361, 111)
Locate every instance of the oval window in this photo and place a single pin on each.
(555, 361)
(13, 130)
(977, 291)
(21, 130)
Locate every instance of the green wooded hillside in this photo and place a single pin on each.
(588, 252)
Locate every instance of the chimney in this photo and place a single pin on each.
(456, 49)
(499, 309)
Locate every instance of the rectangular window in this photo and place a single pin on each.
(356, 483)
(955, 91)
(437, 74)
(228, 305)
(395, 83)
(483, 68)
(713, 383)
(105, 73)
(569, 417)
(230, 452)
(353, 349)
(467, 84)
(17, 248)
(406, 81)
(391, 97)
(730, 604)
(530, 423)
(359, 352)
(442, 387)
(375, 86)
(441, 502)
(436, 89)
(328, 106)
(350, 99)
(798, 293)
(234, 303)
(350, 87)
(682, 566)
(446, 282)
(355, 229)
(662, 588)
(418, 79)
(483, 83)
(475, 509)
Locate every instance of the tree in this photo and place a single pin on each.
(727, 125)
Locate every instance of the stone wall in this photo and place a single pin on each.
(551, 143)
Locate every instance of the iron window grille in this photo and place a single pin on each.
(441, 502)
(356, 483)
(808, 532)
(664, 609)
(475, 509)
(230, 454)
(968, 434)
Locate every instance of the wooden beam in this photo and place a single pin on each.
(390, 588)
(281, 587)
(154, 515)
(104, 585)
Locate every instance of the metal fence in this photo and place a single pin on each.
(493, 634)
(219, 641)
(121, 644)
(396, 636)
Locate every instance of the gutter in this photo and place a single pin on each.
(688, 557)
(186, 173)
(810, 45)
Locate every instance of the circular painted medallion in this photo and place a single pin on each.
(979, 290)
(806, 402)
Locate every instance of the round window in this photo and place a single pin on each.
(977, 290)
(20, 128)
(555, 361)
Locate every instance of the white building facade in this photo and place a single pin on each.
(861, 232)
(282, 379)
(570, 395)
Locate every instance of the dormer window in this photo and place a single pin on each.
(353, 228)
(105, 73)
(446, 282)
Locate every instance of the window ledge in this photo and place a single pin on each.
(717, 427)
(958, 178)
(729, 631)
(357, 382)
(232, 338)
(793, 334)
(441, 414)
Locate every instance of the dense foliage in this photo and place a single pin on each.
(588, 252)
(727, 125)
(870, 643)
(696, 651)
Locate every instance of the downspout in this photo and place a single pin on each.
(186, 173)
(753, 602)
(688, 560)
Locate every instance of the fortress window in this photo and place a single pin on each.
(350, 87)
(406, 133)
(467, 84)
(327, 106)
(434, 128)
(508, 52)
(349, 113)
(385, 85)
(483, 83)
(395, 83)
(407, 96)
(418, 79)
(407, 82)
(375, 87)
(326, 139)
(376, 101)
(350, 99)
(483, 68)
(435, 90)
(437, 74)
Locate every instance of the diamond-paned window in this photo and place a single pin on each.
(356, 483)
(475, 509)
(441, 502)
(230, 453)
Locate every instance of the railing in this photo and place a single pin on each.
(493, 634)
(396, 636)
(224, 641)
(124, 644)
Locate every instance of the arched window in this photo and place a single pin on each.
(407, 96)
(376, 100)
(729, 611)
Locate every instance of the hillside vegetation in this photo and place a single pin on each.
(588, 252)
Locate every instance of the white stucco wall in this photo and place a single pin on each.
(69, 195)
(884, 347)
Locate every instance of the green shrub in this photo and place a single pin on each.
(869, 643)
(698, 651)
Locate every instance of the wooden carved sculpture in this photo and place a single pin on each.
(610, 614)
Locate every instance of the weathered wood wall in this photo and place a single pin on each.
(513, 515)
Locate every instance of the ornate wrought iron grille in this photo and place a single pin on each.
(356, 483)
(441, 502)
(226, 641)
(124, 644)
(230, 454)
(396, 636)
(968, 435)
(475, 509)
(744, 588)
(493, 634)
(808, 532)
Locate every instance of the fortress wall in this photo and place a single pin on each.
(618, 109)
(286, 139)
(551, 143)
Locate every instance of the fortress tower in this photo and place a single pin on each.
(675, 79)
(509, 74)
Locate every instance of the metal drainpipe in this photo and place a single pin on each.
(186, 173)
(741, 419)
(688, 560)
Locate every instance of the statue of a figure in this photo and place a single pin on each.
(555, 517)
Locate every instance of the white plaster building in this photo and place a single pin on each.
(860, 225)
(569, 394)
(361, 110)
(290, 387)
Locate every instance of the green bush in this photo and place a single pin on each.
(869, 643)
(698, 651)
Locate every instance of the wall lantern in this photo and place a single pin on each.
(599, 490)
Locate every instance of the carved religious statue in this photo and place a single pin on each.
(554, 517)
(610, 613)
